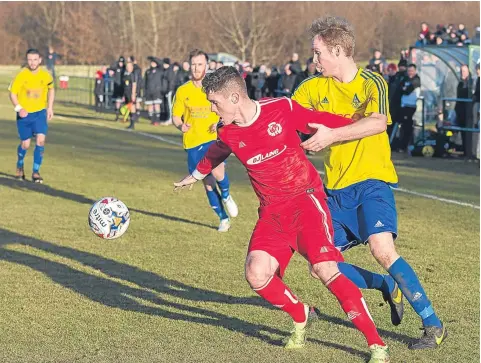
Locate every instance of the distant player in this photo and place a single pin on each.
(32, 94)
(293, 213)
(359, 170)
(193, 117)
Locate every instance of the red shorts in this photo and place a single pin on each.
(303, 225)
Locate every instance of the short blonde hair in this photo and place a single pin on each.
(334, 31)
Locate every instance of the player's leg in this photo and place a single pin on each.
(149, 102)
(25, 132)
(343, 206)
(157, 104)
(315, 243)
(194, 155)
(222, 179)
(269, 254)
(40, 130)
(378, 224)
(133, 113)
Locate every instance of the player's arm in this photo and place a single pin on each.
(306, 120)
(178, 109)
(50, 98)
(215, 155)
(14, 88)
(373, 123)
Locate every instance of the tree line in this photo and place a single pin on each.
(258, 32)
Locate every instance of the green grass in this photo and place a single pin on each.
(172, 289)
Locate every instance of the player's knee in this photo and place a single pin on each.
(324, 271)
(40, 142)
(257, 274)
(383, 249)
(25, 144)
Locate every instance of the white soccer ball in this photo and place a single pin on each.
(109, 218)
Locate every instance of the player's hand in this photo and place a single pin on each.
(320, 140)
(184, 127)
(49, 114)
(22, 113)
(188, 181)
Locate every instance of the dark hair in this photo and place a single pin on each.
(132, 58)
(412, 65)
(224, 79)
(197, 52)
(33, 51)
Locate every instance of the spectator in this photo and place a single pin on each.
(99, 89)
(295, 64)
(272, 80)
(394, 94)
(462, 30)
(183, 75)
(425, 29)
(118, 70)
(152, 89)
(258, 83)
(440, 41)
(464, 39)
(168, 85)
(51, 61)
(379, 60)
(453, 38)
(219, 65)
(212, 66)
(286, 83)
(440, 31)
(422, 41)
(140, 85)
(432, 39)
(475, 115)
(463, 92)
(410, 91)
(309, 72)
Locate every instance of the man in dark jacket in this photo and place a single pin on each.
(152, 89)
(168, 86)
(118, 70)
(140, 85)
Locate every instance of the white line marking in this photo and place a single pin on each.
(402, 190)
(429, 196)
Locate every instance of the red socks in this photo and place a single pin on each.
(279, 295)
(352, 302)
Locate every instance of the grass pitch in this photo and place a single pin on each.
(172, 289)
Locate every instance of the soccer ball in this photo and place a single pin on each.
(109, 218)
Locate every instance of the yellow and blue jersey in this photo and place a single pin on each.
(191, 104)
(351, 162)
(32, 89)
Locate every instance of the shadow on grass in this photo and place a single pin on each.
(8, 181)
(117, 295)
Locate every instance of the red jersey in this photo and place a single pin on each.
(269, 148)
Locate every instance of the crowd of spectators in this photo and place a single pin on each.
(445, 35)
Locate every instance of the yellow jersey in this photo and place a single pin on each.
(191, 103)
(32, 88)
(351, 162)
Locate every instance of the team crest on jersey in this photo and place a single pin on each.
(274, 129)
(356, 103)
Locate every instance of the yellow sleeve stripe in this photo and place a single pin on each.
(381, 89)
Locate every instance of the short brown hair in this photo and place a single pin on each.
(334, 31)
(224, 79)
(197, 52)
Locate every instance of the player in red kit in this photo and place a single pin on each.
(293, 214)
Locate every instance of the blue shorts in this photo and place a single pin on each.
(35, 123)
(361, 210)
(195, 154)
